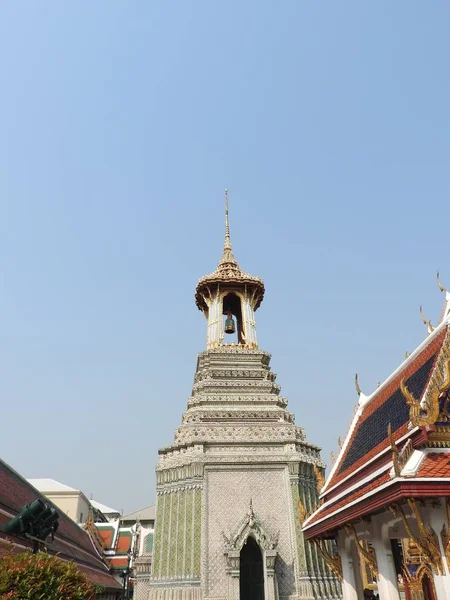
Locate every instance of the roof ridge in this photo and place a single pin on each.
(367, 401)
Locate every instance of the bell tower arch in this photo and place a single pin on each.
(228, 298)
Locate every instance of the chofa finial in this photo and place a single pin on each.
(440, 286)
(425, 322)
(358, 389)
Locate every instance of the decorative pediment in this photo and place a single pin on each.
(252, 526)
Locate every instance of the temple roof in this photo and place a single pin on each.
(47, 486)
(147, 513)
(71, 541)
(106, 510)
(389, 449)
(228, 272)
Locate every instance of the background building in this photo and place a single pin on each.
(70, 501)
(71, 542)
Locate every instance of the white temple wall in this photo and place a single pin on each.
(227, 495)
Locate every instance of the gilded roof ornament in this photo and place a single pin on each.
(320, 479)
(425, 322)
(358, 389)
(427, 411)
(440, 286)
(395, 452)
(332, 560)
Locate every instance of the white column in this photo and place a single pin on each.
(437, 518)
(387, 575)
(349, 589)
(214, 322)
(269, 572)
(248, 316)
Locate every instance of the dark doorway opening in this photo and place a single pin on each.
(251, 577)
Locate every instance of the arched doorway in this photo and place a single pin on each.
(428, 588)
(251, 577)
(232, 308)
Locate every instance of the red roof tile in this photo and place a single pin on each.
(351, 497)
(388, 405)
(435, 464)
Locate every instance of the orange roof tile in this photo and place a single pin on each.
(369, 436)
(435, 464)
(351, 497)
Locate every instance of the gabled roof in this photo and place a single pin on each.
(144, 514)
(106, 510)
(374, 466)
(108, 532)
(50, 485)
(71, 541)
(368, 433)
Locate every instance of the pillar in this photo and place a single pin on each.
(437, 518)
(387, 575)
(349, 587)
(271, 582)
(233, 573)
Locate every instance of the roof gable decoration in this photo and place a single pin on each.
(437, 378)
(97, 541)
(400, 457)
(434, 406)
(250, 526)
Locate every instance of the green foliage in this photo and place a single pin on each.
(39, 576)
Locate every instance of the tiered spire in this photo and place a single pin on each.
(228, 260)
(228, 272)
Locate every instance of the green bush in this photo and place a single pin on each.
(39, 576)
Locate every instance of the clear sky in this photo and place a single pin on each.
(121, 122)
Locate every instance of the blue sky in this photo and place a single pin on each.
(121, 123)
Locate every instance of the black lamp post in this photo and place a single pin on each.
(125, 574)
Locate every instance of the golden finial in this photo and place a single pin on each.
(227, 224)
(425, 322)
(441, 287)
(332, 458)
(339, 442)
(406, 354)
(358, 389)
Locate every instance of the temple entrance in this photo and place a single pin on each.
(251, 579)
(428, 588)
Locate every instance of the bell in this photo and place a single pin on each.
(229, 324)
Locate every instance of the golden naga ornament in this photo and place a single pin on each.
(320, 479)
(445, 534)
(333, 561)
(426, 542)
(429, 411)
(303, 512)
(366, 555)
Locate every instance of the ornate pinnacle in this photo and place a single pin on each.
(227, 245)
(227, 255)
